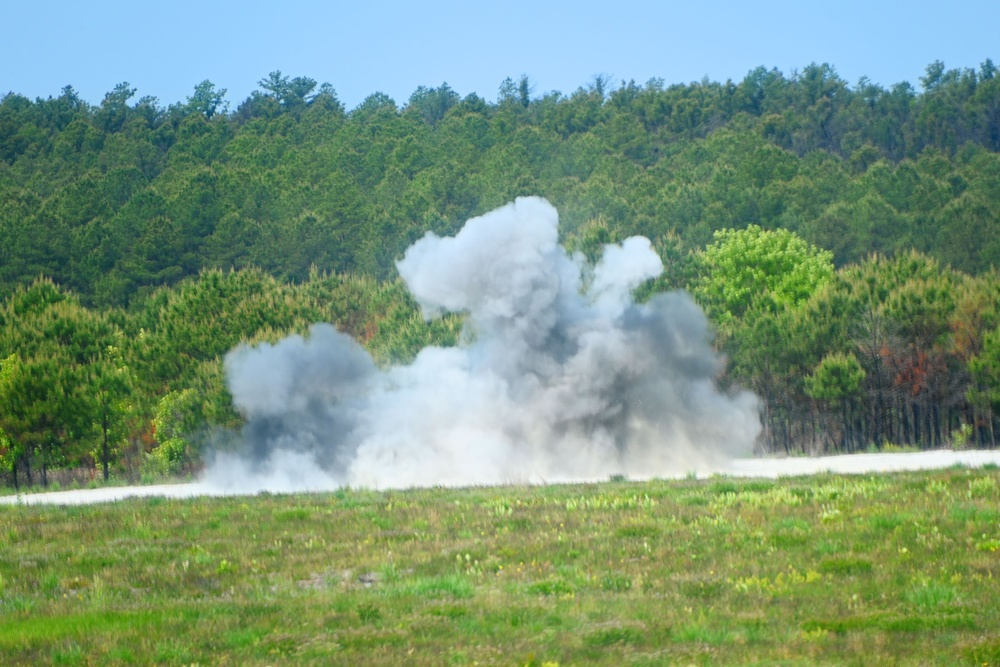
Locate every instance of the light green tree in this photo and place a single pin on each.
(749, 281)
(757, 269)
(177, 416)
(11, 448)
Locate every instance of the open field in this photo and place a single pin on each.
(896, 568)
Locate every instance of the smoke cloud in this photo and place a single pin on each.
(561, 376)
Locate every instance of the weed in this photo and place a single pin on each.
(982, 487)
(517, 524)
(616, 583)
(790, 532)
(888, 522)
(638, 531)
(701, 589)
(606, 501)
(69, 654)
(827, 548)
(721, 487)
(845, 566)
(610, 636)
(702, 632)
(801, 492)
(290, 515)
(50, 584)
(929, 595)
(829, 514)
(455, 586)
(974, 514)
(551, 587)
(984, 652)
(991, 545)
(368, 612)
(225, 567)
(450, 611)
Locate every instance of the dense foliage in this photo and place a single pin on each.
(140, 242)
(140, 390)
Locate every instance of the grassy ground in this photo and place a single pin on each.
(896, 569)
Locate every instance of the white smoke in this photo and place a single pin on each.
(555, 381)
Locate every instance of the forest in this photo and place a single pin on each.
(843, 239)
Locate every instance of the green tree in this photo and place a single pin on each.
(40, 414)
(291, 94)
(749, 281)
(50, 406)
(12, 450)
(757, 269)
(984, 392)
(112, 384)
(177, 417)
(207, 99)
(114, 109)
(433, 103)
(837, 381)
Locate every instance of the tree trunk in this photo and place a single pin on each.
(812, 430)
(937, 426)
(45, 472)
(904, 417)
(104, 444)
(928, 427)
(845, 439)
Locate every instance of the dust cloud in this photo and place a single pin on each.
(560, 376)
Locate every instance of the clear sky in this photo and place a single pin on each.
(165, 48)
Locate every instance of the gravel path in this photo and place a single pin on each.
(767, 467)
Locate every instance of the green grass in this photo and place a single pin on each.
(896, 569)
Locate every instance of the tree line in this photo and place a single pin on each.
(142, 391)
(141, 242)
(114, 200)
(899, 351)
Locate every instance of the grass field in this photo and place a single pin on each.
(825, 570)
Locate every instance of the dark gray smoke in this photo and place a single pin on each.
(558, 380)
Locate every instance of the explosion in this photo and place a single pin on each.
(561, 376)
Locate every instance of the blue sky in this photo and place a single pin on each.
(164, 49)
